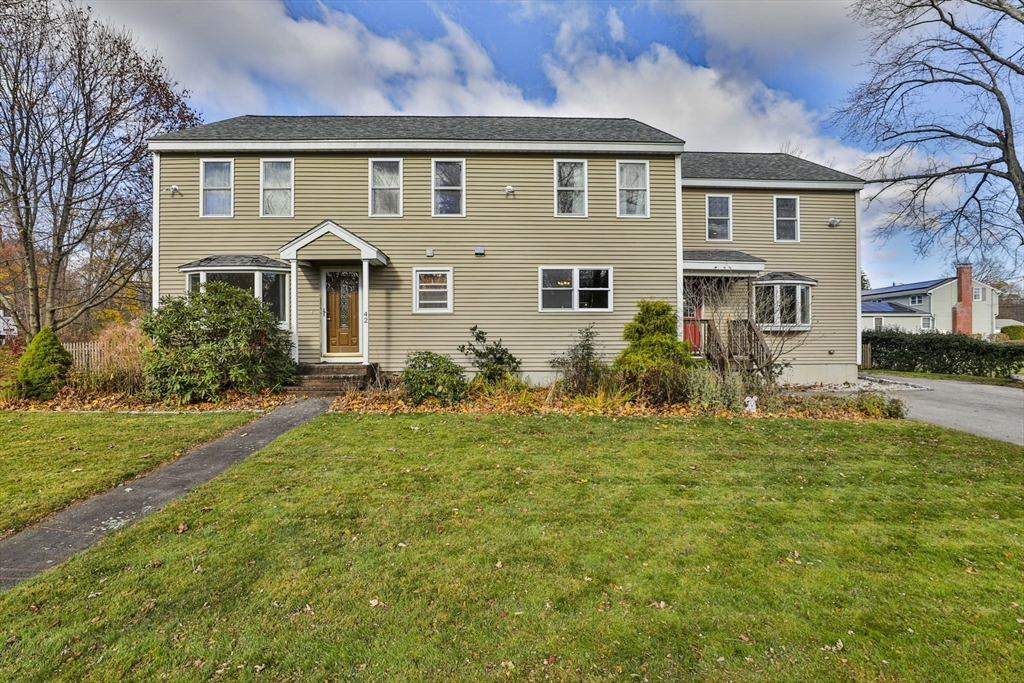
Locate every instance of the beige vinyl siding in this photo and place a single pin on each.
(497, 291)
(824, 253)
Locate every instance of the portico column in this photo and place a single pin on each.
(364, 305)
(295, 309)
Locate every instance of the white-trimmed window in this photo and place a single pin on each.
(432, 290)
(878, 323)
(268, 286)
(632, 180)
(787, 219)
(571, 187)
(448, 178)
(783, 307)
(277, 188)
(567, 288)
(719, 213)
(926, 323)
(217, 180)
(916, 299)
(979, 293)
(386, 187)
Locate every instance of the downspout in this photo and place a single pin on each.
(856, 235)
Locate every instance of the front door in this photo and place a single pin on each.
(692, 312)
(341, 310)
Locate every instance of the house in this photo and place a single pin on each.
(960, 304)
(8, 330)
(372, 237)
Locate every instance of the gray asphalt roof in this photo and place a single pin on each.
(235, 261)
(786, 276)
(909, 287)
(886, 307)
(724, 255)
(756, 166)
(492, 128)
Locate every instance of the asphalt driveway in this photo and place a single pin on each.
(995, 412)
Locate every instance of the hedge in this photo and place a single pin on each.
(949, 354)
(1014, 332)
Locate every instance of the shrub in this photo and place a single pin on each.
(652, 363)
(430, 375)
(212, 341)
(876, 405)
(702, 386)
(581, 367)
(492, 361)
(1014, 332)
(951, 354)
(43, 367)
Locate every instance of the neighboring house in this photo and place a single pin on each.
(960, 304)
(372, 237)
(1006, 322)
(8, 330)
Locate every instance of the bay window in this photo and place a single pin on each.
(270, 287)
(783, 306)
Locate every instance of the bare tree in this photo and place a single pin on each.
(78, 99)
(941, 107)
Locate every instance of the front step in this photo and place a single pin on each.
(331, 379)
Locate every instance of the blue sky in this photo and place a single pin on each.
(730, 75)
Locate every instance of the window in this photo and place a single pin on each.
(926, 323)
(787, 219)
(719, 211)
(449, 177)
(878, 323)
(783, 307)
(575, 289)
(916, 299)
(631, 179)
(432, 291)
(217, 181)
(570, 188)
(385, 187)
(276, 188)
(267, 286)
(977, 293)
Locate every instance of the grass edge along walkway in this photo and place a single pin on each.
(46, 544)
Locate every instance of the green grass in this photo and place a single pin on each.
(49, 460)
(367, 548)
(994, 381)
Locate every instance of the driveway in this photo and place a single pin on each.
(995, 412)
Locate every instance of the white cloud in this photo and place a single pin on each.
(768, 36)
(616, 28)
(254, 58)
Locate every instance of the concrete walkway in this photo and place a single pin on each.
(995, 412)
(44, 545)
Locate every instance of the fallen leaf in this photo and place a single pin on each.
(182, 528)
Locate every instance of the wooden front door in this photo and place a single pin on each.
(341, 310)
(692, 312)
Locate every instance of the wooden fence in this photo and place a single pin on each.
(89, 355)
(114, 365)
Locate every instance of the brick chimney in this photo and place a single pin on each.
(962, 311)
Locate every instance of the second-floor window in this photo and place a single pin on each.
(570, 188)
(916, 299)
(787, 220)
(631, 178)
(719, 209)
(276, 188)
(217, 182)
(449, 177)
(979, 293)
(385, 187)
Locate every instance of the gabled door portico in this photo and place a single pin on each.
(343, 262)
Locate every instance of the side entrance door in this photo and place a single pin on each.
(693, 309)
(341, 311)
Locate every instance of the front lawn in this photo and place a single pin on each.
(471, 548)
(48, 460)
(994, 381)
